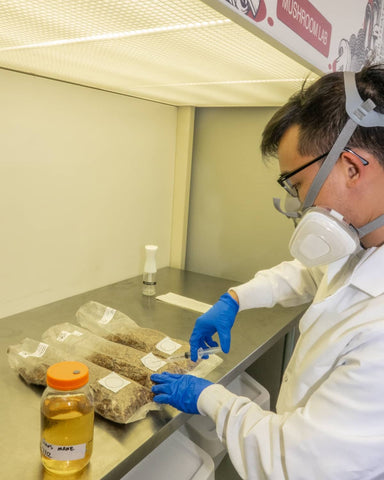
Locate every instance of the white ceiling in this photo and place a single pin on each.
(177, 52)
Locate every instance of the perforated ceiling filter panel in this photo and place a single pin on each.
(176, 52)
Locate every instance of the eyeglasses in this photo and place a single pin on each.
(284, 182)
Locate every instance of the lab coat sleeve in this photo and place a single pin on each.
(251, 435)
(336, 433)
(289, 284)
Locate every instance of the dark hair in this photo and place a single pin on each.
(319, 111)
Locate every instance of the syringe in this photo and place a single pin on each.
(200, 353)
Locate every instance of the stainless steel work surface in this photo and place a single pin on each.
(117, 448)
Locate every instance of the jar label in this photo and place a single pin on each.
(108, 315)
(167, 345)
(63, 452)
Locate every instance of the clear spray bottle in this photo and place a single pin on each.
(149, 276)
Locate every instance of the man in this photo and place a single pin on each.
(329, 139)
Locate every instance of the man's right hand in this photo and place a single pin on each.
(219, 318)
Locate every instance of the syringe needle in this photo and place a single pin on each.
(200, 353)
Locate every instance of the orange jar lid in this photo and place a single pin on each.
(67, 375)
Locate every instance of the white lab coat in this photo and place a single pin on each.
(330, 411)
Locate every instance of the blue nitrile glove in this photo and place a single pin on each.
(219, 318)
(180, 391)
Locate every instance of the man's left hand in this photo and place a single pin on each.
(180, 391)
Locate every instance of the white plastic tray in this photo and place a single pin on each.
(177, 458)
(202, 430)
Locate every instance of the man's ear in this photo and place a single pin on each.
(352, 166)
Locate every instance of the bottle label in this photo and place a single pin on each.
(108, 315)
(63, 452)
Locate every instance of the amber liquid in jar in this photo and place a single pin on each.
(66, 432)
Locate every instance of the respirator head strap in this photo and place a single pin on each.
(361, 113)
(289, 214)
(329, 163)
(371, 226)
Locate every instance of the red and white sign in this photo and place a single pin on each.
(304, 19)
(329, 35)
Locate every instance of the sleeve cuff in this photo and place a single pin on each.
(257, 293)
(212, 399)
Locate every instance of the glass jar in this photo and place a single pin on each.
(67, 418)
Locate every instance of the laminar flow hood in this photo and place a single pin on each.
(176, 52)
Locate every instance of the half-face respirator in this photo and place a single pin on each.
(321, 235)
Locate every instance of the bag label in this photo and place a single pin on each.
(114, 382)
(168, 346)
(39, 352)
(152, 362)
(63, 335)
(108, 315)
